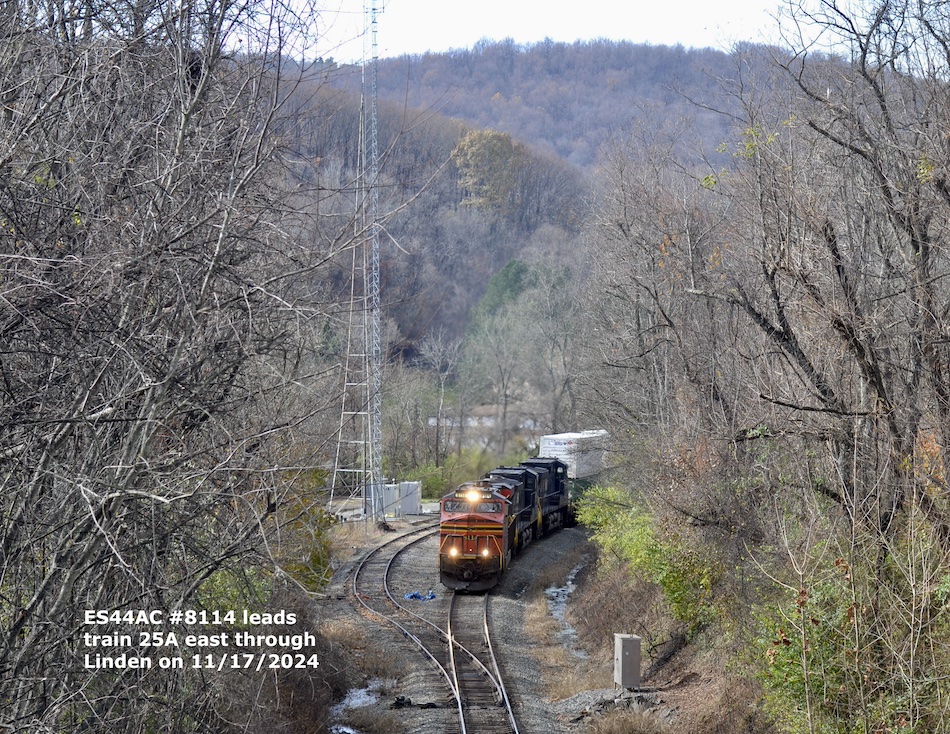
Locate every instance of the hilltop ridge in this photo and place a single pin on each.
(567, 99)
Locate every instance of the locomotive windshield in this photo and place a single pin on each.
(463, 506)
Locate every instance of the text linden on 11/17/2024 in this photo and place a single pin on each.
(142, 639)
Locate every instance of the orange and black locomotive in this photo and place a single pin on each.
(485, 523)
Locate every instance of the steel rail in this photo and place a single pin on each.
(426, 532)
(498, 678)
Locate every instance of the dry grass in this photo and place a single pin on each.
(563, 673)
(372, 721)
(612, 603)
(723, 705)
(345, 633)
(347, 538)
(575, 677)
(538, 620)
(695, 682)
(387, 668)
(626, 722)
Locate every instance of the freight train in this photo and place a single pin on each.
(485, 523)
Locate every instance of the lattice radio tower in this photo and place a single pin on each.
(357, 471)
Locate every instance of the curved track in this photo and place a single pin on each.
(460, 651)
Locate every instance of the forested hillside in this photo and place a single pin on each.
(496, 149)
(492, 157)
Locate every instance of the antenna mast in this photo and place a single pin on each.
(358, 466)
(375, 448)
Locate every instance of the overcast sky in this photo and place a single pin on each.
(416, 26)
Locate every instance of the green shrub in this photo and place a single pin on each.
(435, 479)
(627, 533)
(305, 549)
(846, 653)
(472, 464)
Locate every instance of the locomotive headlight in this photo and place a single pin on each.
(453, 551)
(473, 495)
(485, 553)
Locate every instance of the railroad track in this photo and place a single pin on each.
(478, 680)
(454, 635)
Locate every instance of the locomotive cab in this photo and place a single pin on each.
(473, 544)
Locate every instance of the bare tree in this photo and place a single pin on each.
(823, 265)
(657, 349)
(442, 356)
(156, 339)
(496, 351)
